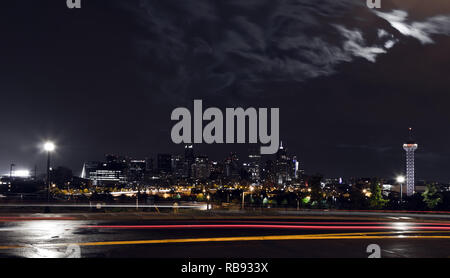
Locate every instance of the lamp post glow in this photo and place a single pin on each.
(48, 147)
(11, 171)
(243, 195)
(401, 180)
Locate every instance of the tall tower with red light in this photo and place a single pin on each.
(410, 147)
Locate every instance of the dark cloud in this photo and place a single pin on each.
(421, 30)
(200, 48)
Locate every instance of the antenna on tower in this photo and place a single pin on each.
(410, 134)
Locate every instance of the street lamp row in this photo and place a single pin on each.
(49, 147)
(401, 180)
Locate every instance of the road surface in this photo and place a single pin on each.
(60, 236)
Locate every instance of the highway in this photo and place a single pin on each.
(113, 236)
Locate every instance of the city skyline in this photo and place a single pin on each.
(244, 157)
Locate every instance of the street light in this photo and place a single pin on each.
(401, 180)
(243, 195)
(11, 171)
(49, 147)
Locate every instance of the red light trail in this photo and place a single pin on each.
(263, 226)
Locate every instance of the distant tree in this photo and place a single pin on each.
(431, 196)
(273, 202)
(357, 198)
(376, 200)
(414, 202)
(317, 194)
(61, 175)
(200, 197)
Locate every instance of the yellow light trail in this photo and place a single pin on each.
(370, 235)
(252, 238)
(10, 247)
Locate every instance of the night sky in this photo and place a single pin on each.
(348, 81)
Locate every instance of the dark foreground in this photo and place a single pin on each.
(62, 236)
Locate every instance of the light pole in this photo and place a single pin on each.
(243, 195)
(401, 180)
(11, 171)
(48, 147)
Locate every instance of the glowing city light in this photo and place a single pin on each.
(20, 174)
(49, 146)
(400, 179)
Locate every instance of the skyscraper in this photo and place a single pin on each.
(200, 168)
(189, 159)
(232, 166)
(164, 164)
(178, 166)
(410, 147)
(283, 166)
(137, 171)
(111, 172)
(254, 165)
